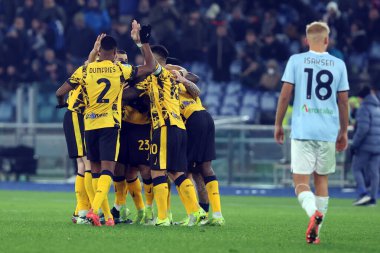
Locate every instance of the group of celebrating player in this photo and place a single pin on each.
(123, 120)
(149, 119)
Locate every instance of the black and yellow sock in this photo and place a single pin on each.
(161, 191)
(134, 188)
(212, 187)
(88, 185)
(189, 195)
(148, 191)
(101, 199)
(120, 186)
(80, 193)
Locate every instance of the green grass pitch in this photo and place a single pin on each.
(40, 222)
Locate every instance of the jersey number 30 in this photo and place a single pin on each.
(326, 84)
(101, 98)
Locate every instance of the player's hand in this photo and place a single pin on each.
(135, 32)
(279, 134)
(341, 141)
(177, 75)
(61, 106)
(97, 42)
(145, 33)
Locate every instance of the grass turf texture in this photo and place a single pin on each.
(40, 222)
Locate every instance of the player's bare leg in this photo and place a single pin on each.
(148, 191)
(321, 196)
(102, 186)
(189, 197)
(307, 200)
(135, 190)
(201, 190)
(161, 192)
(119, 210)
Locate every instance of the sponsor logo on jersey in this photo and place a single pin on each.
(96, 115)
(325, 111)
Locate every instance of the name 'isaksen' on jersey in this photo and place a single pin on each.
(319, 61)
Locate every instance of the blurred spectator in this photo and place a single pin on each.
(36, 38)
(194, 37)
(270, 24)
(337, 23)
(165, 18)
(52, 68)
(96, 18)
(365, 148)
(142, 14)
(238, 24)
(123, 37)
(273, 49)
(357, 46)
(52, 12)
(221, 54)
(79, 40)
(28, 11)
(11, 78)
(374, 24)
(270, 80)
(333, 50)
(293, 37)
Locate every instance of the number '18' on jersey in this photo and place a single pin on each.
(317, 78)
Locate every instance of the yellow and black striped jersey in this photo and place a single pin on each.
(75, 100)
(163, 92)
(188, 104)
(137, 110)
(102, 87)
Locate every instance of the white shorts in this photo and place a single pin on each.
(308, 156)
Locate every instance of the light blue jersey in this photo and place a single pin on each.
(317, 78)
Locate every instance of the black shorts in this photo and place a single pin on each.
(168, 149)
(73, 126)
(134, 144)
(102, 144)
(200, 130)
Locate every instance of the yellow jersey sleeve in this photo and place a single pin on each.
(128, 71)
(188, 105)
(76, 78)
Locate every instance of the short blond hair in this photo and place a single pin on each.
(317, 31)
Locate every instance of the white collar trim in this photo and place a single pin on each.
(318, 53)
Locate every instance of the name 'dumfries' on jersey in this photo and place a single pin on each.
(102, 70)
(317, 61)
(96, 115)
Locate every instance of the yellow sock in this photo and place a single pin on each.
(169, 194)
(212, 188)
(80, 193)
(88, 185)
(120, 192)
(161, 191)
(182, 200)
(102, 190)
(189, 195)
(76, 209)
(134, 188)
(148, 191)
(105, 205)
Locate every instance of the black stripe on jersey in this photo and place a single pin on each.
(342, 91)
(134, 72)
(288, 82)
(84, 71)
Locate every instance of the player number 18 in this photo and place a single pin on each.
(326, 84)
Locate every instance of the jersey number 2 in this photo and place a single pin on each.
(101, 98)
(320, 83)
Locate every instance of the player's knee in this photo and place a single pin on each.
(206, 169)
(131, 173)
(301, 188)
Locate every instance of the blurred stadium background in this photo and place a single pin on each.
(238, 47)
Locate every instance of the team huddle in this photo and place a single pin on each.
(149, 120)
(125, 120)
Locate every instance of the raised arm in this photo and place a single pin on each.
(191, 87)
(282, 106)
(94, 52)
(141, 36)
(342, 140)
(188, 75)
